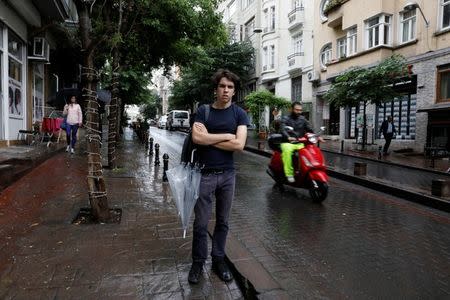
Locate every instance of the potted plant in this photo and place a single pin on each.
(256, 103)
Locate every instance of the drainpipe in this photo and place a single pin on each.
(57, 82)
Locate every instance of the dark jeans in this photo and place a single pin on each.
(388, 138)
(222, 186)
(71, 134)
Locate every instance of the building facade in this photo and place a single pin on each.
(281, 31)
(363, 33)
(25, 47)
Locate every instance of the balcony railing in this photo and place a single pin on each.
(294, 60)
(296, 17)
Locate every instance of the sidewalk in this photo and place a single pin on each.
(407, 159)
(43, 255)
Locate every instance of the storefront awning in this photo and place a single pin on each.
(436, 107)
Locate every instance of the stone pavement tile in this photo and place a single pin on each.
(38, 293)
(121, 286)
(161, 283)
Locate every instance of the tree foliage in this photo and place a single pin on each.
(150, 108)
(256, 102)
(196, 85)
(370, 86)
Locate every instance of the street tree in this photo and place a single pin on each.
(373, 85)
(195, 84)
(153, 34)
(136, 36)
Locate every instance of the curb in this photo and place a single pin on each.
(387, 162)
(254, 281)
(423, 199)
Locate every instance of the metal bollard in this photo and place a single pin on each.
(156, 154)
(166, 166)
(379, 152)
(342, 146)
(150, 150)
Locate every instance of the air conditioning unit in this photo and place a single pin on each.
(313, 76)
(41, 49)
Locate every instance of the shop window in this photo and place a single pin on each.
(445, 14)
(403, 110)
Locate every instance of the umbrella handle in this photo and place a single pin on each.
(184, 234)
(192, 155)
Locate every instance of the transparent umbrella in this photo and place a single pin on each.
(184, 181)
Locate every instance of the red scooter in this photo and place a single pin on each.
(309, 166)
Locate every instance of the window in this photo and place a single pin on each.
(249, 28)
(246, 3)
(272, 56)
(351, 41)
(296, 89)
(38, 92)
(342, 47)
(325, 55)
(323, 4)
(265, 58)
(296, 3)
(443, 84)
(15, 99)
(378, 31)
(272, 18)
(445, 14)
(266, 20)
(297, 44)
(408, 26)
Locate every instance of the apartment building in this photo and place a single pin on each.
(362, 33)
(26, 81)
(281, 32)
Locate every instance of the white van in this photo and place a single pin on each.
(178, 119)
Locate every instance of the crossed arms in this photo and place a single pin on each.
(224, 141)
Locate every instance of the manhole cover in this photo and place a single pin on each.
(85, 216)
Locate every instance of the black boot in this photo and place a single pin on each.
(195, 272)
(221, 269)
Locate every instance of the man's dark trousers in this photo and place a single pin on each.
(388, 138)
(222, 185)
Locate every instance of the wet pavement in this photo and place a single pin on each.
(357, 244)
(44, 256)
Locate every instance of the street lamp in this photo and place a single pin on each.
(257, 30)
(412, 5)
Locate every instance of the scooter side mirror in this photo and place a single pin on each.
(322, 128)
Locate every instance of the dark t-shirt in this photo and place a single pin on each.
(220, 121)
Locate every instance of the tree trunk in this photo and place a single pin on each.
(113, 111)
(96, 183)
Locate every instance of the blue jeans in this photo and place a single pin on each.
(222, 186)
(71, 134)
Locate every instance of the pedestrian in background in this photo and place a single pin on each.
(74, 119)
(388, 130)
(220, 134)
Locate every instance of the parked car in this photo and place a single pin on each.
(162, 122)
(178, 119)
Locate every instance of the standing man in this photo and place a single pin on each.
(388, 129)
(222, 133)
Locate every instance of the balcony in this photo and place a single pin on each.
(295, 62)
(296, 18)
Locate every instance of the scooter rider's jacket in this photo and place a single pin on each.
(300, 125)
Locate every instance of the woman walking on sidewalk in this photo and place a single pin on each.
(74, 120)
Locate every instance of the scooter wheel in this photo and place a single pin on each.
(320, 193)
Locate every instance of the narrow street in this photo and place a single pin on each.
(358, 243)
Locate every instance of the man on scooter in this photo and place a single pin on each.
(300, 126)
